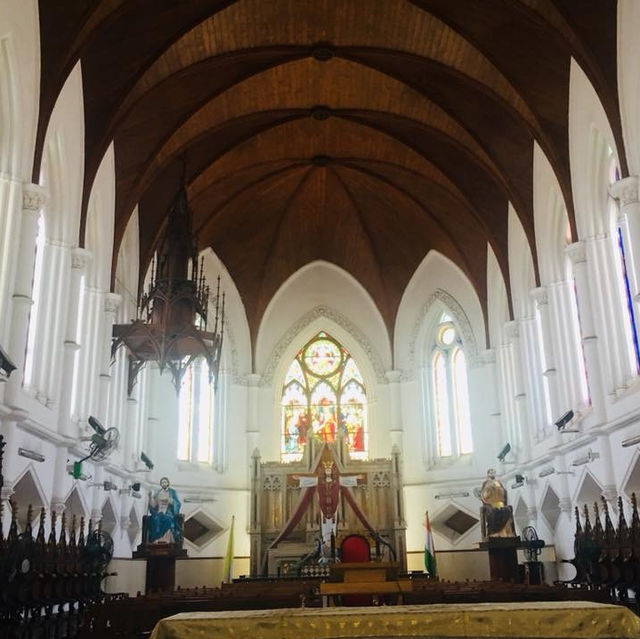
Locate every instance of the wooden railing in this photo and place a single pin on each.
(48, 582)
(607, 557)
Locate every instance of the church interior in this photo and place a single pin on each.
(280, 276)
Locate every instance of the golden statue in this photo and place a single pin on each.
(496, 516)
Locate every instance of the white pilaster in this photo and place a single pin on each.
(79, 260)
(32, 201)
(111, 303)
(395, 407)
(577, 255)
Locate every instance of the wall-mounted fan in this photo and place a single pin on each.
(101, 444)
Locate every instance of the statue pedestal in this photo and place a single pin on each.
(161, 565)
(503, 558)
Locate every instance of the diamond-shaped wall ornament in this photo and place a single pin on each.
(134, 526)
(453, 522)
(108, 520)
(551, 508)
(589, 491)
(520, 515)
(200, 529)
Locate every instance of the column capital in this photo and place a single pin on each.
(484, 358)
(254, 379)
(626, 190)
(393, 376)
(512, 329)
(576, 252)
(539, 296)
(80, 258)
(34, 197)
(112, 302)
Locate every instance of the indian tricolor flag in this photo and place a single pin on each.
(429, 549)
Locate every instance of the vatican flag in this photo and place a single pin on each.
(429, 548)
(228, 558)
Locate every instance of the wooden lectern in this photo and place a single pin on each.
(503, 558)
(364, 578)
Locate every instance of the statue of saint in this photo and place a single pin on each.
(164, 508)
(496, 516)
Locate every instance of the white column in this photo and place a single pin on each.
(111, 303)
(11, 198)
(79, 261)
(577, 255)
(550, 369)
(522, 429)
(395, 408)
(253, 427)
(32, 201)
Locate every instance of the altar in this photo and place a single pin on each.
(541, 620)
(302, 511)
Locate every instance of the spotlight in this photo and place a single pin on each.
(504, 452)
(31, 454)
(545, 472)
(587, 459)
(631, 441)
(460, 494)
(136, 487)
(147, 462)
(97, 426)
(519, 481)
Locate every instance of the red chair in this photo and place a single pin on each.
(355, 548)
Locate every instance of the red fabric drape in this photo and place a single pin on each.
(303, 504)
(346, 494)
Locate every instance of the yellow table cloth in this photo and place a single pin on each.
(539, 620)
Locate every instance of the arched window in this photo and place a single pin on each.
(323, 397)
(35, 296)
(450, 392)
(614, 176)
(195, 414)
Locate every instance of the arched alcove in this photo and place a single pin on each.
(321, 289)
(436, 284)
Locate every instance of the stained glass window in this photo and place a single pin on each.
(323, 397)
(195, 415)
(451, 412)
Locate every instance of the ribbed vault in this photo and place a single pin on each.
(361, 132)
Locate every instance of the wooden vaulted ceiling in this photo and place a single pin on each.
(361, 132)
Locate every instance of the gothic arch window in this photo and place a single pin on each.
(323, 397)
(450, 392)
(195, 414)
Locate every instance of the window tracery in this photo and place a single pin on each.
(450, 392)
(323, 397)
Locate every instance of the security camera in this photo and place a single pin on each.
(147, 462)
(504, 452)
(136, 487)
(562, 423)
